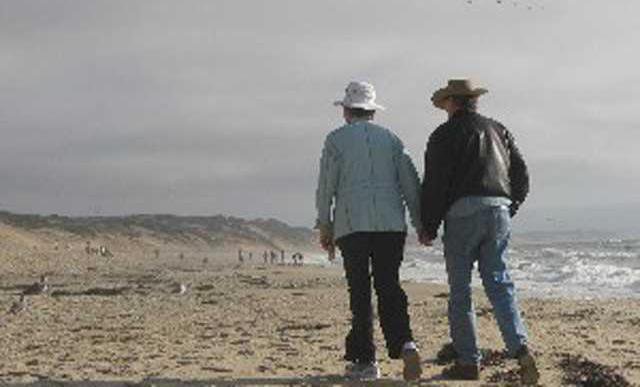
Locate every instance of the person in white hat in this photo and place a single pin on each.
(475, 180)
(366, 180)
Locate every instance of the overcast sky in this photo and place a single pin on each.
(206, 107)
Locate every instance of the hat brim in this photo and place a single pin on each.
(441, 95)
(364, 106)
(438, 98)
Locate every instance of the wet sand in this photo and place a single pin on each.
(250, 324)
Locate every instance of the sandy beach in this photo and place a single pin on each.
(169, 171)
(256, 324)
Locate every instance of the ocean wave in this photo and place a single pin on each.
(581, 271)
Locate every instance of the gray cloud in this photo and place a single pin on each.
(206, 107)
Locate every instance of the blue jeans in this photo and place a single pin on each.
(482, 236)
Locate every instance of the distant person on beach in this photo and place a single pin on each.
(366, 180)
(475, 180)
(265, 256)
(297, 258)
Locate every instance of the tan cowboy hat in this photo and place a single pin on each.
(454, 87)
(360, 95)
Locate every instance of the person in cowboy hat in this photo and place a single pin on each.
(366, 180)
(475, 179)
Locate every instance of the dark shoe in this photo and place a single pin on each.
(447, 354)
(412, 368)
(528, 370)
(460, 371)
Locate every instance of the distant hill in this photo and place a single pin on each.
(212, 231)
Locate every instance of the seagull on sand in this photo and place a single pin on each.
(37, 287)
(180, 289)
(19, 305)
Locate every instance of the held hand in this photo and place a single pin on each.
(332, 253)
(425, 239)
(326, 242)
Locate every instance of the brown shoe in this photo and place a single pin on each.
(528, 370)
(460, 371)
(412, 368)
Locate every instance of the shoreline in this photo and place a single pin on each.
(523, 288)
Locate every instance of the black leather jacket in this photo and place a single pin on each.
(470, 155)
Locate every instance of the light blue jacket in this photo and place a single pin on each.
(366, 180)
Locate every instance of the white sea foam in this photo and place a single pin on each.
(592, 269)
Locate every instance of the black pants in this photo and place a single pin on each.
(382, 251)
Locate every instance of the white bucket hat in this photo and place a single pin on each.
(359, 95)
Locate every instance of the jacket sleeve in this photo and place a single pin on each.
(518, 174)
(409, 185)
(327, 184)
(435, 185)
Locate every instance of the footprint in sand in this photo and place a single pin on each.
(285, 367)
(329, 347)
(219, 370)
(304, 327)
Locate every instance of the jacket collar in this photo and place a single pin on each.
(356, 120)
(461, 113)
